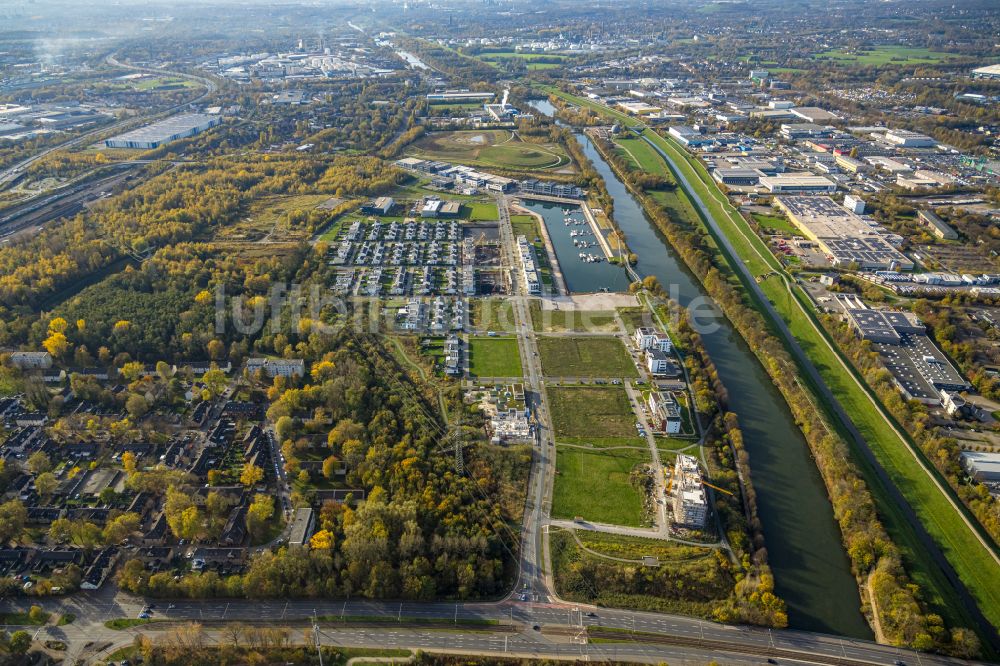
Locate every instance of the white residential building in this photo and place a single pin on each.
(658, 362)
(648, 338)
(689, 502)
(664, 413)
(31, 360)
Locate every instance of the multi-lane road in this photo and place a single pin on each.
(11, 173)
(512, 625)
(530, 621)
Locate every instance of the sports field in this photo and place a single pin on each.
(490, 148)
(597, 356)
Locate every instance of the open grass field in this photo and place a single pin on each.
(274, 216)
(635, 548)
(776, 224)
(886, 55)
(479, 211)
(634, 317)
(148, 83)
(493, 314)
(591, 412)
(595, 485)
(494, 357)
(555, 321)
(642, 155)
(972, 560)
(525, 225)
(585, 357)
(490, 148)
(494, 56)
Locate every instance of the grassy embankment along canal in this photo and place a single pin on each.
(955, 532)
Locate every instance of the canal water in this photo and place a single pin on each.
(811, 570)
(581, 276)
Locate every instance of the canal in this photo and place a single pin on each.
(571, 236)
(811, 570)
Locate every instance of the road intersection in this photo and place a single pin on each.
(531, 621)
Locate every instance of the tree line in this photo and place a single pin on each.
(902, 613)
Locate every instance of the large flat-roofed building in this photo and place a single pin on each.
(850, 165)
(845, 237)
(736, 176)
(982, 466)
(796, 131)
(814, 114)
(923, 178)
(919, 369)
(639, 108)
(888, 164)
(988, 72)
(550, 188)
(689, 136)
(884, 325)
(797, 182)
(908, 139)
(165, 131)
(459, 97)
(937, 226)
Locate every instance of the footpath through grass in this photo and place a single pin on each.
(972, 560)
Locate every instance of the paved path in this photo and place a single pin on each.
(827, 395)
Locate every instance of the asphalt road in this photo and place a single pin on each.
(986, 629)
(11, 173)
(513, 620)
(92, 609)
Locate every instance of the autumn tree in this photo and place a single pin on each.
(251, 475)
(330, 466)
(136, 405)
(129, 463)
(46, 484)
(183, 517)
(38, 463)
(120, 528)
(259, 512)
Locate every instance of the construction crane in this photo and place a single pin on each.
(721, 490)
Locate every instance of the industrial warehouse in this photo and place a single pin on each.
(920, 370)
(165, 131)
(846, 237)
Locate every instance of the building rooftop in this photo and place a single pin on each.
(165, 129)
